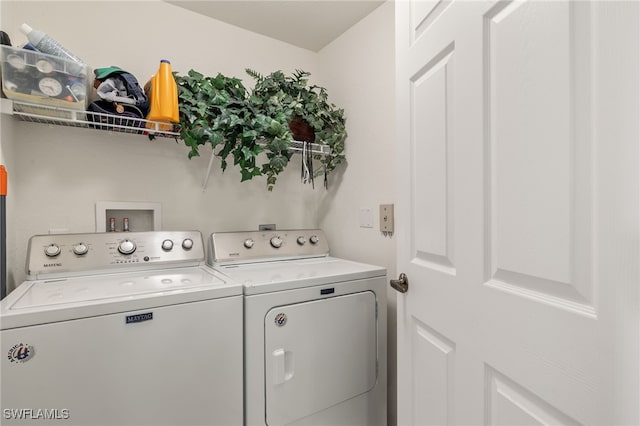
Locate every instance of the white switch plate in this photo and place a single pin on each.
(366, 217)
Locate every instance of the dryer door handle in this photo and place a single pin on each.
(283, 365)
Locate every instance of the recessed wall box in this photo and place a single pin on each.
(140, 216)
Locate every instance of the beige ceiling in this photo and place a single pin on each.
(311, 24)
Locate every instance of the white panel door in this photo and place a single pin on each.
(518, 212)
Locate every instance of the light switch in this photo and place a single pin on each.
(366, 217)
(386, 217)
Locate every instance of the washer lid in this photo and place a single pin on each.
(41, 301)
(265, 277)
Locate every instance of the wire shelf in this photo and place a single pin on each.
(44, 114)
(87, 119)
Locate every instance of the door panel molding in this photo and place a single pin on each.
(424, 14)
(538, 145)
(506, 401)
(433, 363)
(432, 210)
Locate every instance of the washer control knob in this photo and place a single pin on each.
(187, 244)
(301, 240)
(314, 239)
(52, 250)
(276, 242)
(248, 243)
(167, 245)
(126, 247)
(80, 249)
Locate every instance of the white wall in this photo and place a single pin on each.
(358, 72)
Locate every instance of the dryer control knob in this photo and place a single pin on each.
(80, 249)
(187, 244)
(276, 242)
(248, 243)
(314, 239)
(167, 245)
(52, 250)
(126, 247)
(301, 240)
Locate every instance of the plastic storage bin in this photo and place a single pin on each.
(37, 78)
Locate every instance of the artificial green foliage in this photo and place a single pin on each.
(252, 128)
(284, 97)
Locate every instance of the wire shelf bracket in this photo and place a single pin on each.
(296, 147)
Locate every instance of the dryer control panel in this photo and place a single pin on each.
(256, 246)
(68, 254)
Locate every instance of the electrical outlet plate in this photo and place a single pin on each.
(386, 217)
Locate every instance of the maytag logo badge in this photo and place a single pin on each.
(20, 353)
(147, 316)
(280, 319)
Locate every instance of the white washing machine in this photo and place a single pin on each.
(314, 329)
(122, 329)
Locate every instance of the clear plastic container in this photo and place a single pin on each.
(42, 79)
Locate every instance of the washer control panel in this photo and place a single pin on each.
(235, 247)
(74, 253)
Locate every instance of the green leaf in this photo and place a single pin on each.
(247, 153)
(279, 145)
(279, 162)
(246, 175)
(276, 128)
(219, 99)
(194, 152)
(249, 136)
(216, 138)
(256, 100)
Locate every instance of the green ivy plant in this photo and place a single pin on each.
(286, 98)
(252, 128)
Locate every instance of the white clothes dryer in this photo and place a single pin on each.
(122, 329)
(314, 329)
